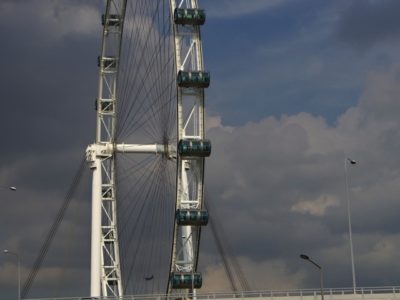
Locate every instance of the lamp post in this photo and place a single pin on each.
(306, 257)
(5, 251)
(12, 188)
(353, 270)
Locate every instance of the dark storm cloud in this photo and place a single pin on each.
(235, 8)
(367, 23)
(48, 86)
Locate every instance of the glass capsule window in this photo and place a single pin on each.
(191, 217)
(185, 280)
(196, 79)
(194, 148)
(185, 16)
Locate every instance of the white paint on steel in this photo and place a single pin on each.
(187, 56)
(190, 124)
(105, 260)
(140, 148)
(353, 270)
(95, 265)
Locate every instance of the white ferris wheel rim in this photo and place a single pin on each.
(190, 173)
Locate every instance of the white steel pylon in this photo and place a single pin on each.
(105, 273)
(105, 260)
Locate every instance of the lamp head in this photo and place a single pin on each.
(5, 251)
(303, 256)
(352, 161)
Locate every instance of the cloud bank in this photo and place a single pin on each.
(279, 184)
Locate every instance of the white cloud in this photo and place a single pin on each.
(316, 207)
(265, 275)
(262, 172)
(216, 122)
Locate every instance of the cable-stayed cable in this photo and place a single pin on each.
(231, 265)
(53, 230)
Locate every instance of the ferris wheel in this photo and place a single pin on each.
(150, 147)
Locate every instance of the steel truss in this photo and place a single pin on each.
(105, 260)
(190, 125)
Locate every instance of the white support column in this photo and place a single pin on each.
(95, 267)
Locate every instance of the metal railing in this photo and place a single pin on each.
(360, 293)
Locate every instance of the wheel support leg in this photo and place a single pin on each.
(95, 267)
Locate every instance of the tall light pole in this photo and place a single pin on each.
(353, 270)
(5, 251)
(306, 257)
(12, 188)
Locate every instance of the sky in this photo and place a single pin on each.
(297, 87)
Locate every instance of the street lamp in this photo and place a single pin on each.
(12, 188)
(306, 257)
(353, 270)
(5, 251)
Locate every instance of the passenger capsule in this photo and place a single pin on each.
(112, 20)
(189, 16)
(108, 62)
(191, 217)
(196, 79)
(194, 148)
(186, 280)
